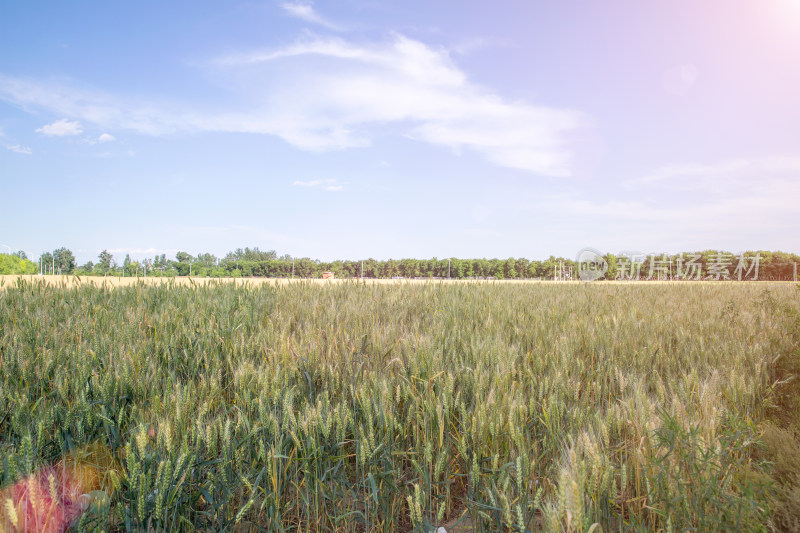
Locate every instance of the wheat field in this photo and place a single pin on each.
(361, 406)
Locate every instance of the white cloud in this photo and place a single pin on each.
(61, 128)
(95, 107)
(726, 177)
(305, 11)
(19, 149)
(332, 92)
(103, 138)
(328, 185)
(329, 94)
(692, 206)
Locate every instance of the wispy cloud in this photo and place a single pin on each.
(691, 206)
(739, 188)
(333, 91)
(329, 94)
(328, 185)
(731, 177)
(305, 11)
(61, 128)
(101, 139)
(96, 107)
(19, 149)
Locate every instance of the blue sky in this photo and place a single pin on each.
(362, 128)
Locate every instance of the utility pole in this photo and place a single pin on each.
(292, 267)
(448, 269)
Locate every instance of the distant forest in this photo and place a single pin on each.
(252, 262)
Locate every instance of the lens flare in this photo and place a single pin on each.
(49, 500)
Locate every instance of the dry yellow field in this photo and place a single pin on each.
(119, 281)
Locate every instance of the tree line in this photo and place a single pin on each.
(252, 262)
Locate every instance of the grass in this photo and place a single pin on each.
(398, 407)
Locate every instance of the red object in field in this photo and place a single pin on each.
(328, 275)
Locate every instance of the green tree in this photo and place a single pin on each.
(12, 264)
(131, 267)
(183, 263)
(65, 261)
(104, 262)
(510, 268)
(206, 260)
(611, 260)
(522, 268)
(465, 268)
(46, 260)
(86, 269)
